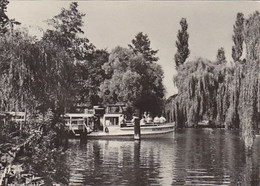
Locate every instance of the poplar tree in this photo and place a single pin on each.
(238, 38)
(182, 44)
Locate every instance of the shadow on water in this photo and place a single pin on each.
(191, 157)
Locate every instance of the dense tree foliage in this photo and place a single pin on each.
(227, 95)
(90, 75)
(66, 36)
(203, 92)
(6, 24)
(41, 76)
(49, 73)
(63, 70)
(15, 60)
(182, 44)
(66, 33)
(4, 20)
(141, 44)
(221, 58)
(250, 85)
(132, 80)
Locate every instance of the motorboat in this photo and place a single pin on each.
(110, 123)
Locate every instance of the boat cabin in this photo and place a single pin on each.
(16, 116)
(96, 119)
(79, 121)
(114, 116)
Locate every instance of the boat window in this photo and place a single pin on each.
(112, 120)
(77, 122)
(114, 109)
(80, 117)
(19, 117)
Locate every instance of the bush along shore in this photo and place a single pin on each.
(225, 93)
(33, 154)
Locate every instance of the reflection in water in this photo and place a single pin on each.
(192, 157)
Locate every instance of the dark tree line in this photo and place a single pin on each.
(63, 70)
(227, 95)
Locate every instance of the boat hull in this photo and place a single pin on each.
(147, 132)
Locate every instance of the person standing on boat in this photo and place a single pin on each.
(134, 118)
(143, 121)
(123, 122)
(148, 118)
(136, 123)
(96, 122)
(145, 115)
(89, 122)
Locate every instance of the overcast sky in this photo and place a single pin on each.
(109, 24)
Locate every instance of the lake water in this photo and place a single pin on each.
(191, 157)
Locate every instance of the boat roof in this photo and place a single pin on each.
(78, 115)
(16, 113)
(116, 105)
(113, 114)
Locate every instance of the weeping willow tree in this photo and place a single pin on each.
(33, 73)
(226, 93)
(250, 86)
(13, 70)
(40, 74)
(203, 92)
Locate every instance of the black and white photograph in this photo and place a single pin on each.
(133, 93)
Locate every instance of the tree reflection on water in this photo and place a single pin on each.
(192, 157)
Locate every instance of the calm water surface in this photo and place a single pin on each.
(191, 157)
